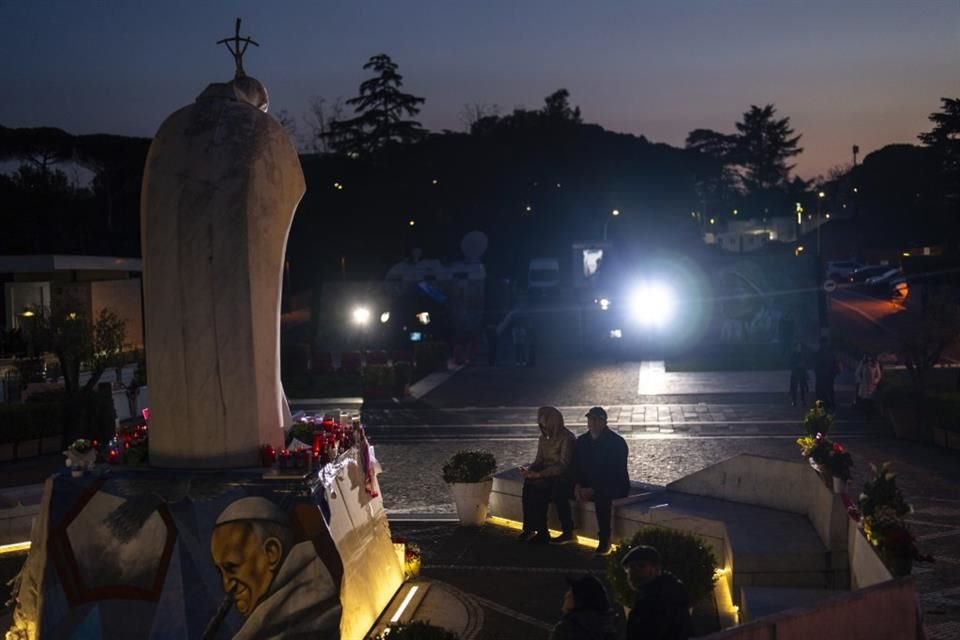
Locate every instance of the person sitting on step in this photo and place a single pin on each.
(549, 479)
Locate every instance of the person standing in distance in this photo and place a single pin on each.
(661, 610)
(600, 463)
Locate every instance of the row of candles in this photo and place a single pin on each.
(330, 435)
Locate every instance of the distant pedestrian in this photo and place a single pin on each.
(661, 610)
(825, 370)
(549, 479)
(586, 612)
(600, 463)
(799, 378)
(868, 376)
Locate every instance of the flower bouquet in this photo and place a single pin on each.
(81, 456)
(839, 462)
(410, 555)
(884, 508)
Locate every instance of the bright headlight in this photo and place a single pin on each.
(651, 304)
(361, 315)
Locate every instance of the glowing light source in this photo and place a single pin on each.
(385, 317)
(16, 547)
(615, 213)
(514, 524)
(652, 304)
(798, 250)
(604, 304)
(28, 313)
(828, 215)
(361, 315)
(412, 223)
(735, 212)
(712, 221)
(404, 604)
(529, 208)
(616, 334)
(821, 195)
(435, 181)
(424, 317)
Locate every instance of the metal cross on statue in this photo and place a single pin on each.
(239, 48)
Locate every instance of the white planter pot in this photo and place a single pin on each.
(839, 485)
(471, 499)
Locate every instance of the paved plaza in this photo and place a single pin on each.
(694, 423)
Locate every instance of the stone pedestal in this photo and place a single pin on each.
(146, 553)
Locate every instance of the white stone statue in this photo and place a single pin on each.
(221, 184)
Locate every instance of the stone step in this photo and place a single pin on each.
(759, 602)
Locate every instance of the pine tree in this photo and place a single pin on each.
(944, 141)
(380, 108)
(764, 144)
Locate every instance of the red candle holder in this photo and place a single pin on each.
(268, 455)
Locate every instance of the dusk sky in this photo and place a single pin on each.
(864, 72)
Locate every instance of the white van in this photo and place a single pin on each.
(543, 276)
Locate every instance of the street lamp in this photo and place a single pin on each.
(615, 213)
(820, 196)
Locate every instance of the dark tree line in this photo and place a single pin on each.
(535, 180)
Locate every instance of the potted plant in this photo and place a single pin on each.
(470, 476)
(838, 463)
(682, 554)
(884, 508)
(818, 420)
(418, 630)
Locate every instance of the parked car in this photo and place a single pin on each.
(871, 270)
(880, 285)
(841, 269)
(899, 289)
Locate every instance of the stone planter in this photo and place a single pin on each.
(840, 485)
(471, 500)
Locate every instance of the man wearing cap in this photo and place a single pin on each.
(600, 462)
(281, 588)
(661, 610)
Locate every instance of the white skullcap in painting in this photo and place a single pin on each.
(253, 508)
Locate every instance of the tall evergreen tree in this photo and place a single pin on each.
(764, 145)
(381, 108)
(944, 141)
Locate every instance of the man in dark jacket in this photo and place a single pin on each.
(661, 610)
(600, 462)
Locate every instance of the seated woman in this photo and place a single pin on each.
(549, 479)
